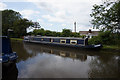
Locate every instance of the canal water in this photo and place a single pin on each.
(44, 61)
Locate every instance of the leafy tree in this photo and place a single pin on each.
(58, 34)
(36, 25)
(39, 32)
(103, 38)
(48, 33)
(54, 33)
(8, 19)
(19, 27)
(13, 20)
(75, 34)
(106, 16)
(66, 32)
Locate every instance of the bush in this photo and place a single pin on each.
(95, 40)
(103, 38)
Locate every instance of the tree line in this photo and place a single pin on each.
(64, 33)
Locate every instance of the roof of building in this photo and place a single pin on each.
(87, 32)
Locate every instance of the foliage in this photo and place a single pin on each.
(8, 19)
(13, 20)
(106, 17)
(64, 33)
(75, 34)
(106, 38)
(36, 25)
(82, 36)
(19, 27)
(38, 32)
(94, 40)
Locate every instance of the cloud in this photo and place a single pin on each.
(40, 20)
(29, 13)
(2, 6)
(68, 11)
(62, 12)
(53, 19)
(63, 25)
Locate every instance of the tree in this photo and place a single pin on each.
(8, 19)
(48, 33)
(19, 27)
(106, 17)
(75, 34)
(36, 25)
(13, 20)
(66, 32)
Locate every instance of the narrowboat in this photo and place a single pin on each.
(62, 41)
(7, 55)
(8, 59)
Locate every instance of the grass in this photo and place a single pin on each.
(111, 47)
(17, 39)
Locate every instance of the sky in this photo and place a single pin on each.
(55, 15)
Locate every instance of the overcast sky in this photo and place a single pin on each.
(53, 14)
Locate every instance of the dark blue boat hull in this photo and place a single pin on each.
(99, 46)
(7, 54)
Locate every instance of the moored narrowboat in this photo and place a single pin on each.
(7, 55)
(8, 59)
(62, 41)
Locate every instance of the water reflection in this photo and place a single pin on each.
(63, 52)
(43, 61)
(21, 51)
(104, 66)
(9, 71)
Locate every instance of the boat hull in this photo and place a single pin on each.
(92, 47)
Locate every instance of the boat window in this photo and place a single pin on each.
(73, 41)
(51, 40)
(62, 41)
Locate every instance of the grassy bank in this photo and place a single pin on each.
(116, 47)
(16, 39)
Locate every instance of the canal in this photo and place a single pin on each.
(43, 61)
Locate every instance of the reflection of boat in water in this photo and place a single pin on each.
(62, 41)
(8, 60)
(63, 52)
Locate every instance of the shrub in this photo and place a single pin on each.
(103, 38)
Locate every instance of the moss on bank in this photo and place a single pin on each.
(16, 39)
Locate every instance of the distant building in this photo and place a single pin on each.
(89, 33)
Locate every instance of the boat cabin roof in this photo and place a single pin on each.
(58, 37)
